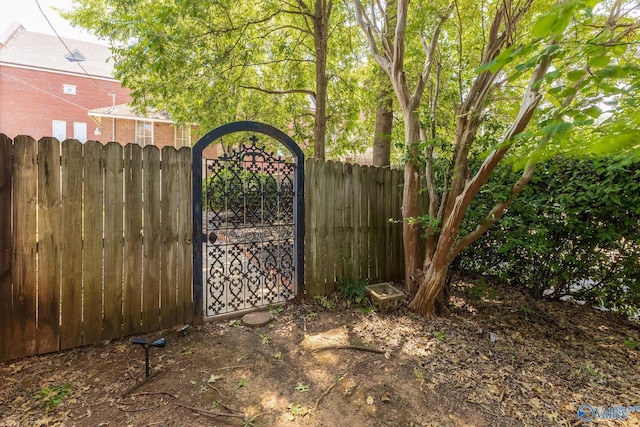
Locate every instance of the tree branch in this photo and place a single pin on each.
(280, 92)
(496, 212)
(365, 23)
(430, 52)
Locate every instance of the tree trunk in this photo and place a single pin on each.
(384, 126)
(430, 297)
(320, 37)
(410, 208)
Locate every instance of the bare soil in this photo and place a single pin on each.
(500, 359)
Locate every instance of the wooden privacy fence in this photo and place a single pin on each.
(95, 242)
(350, 228)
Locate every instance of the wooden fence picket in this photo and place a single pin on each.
(151, 238)
(132, 239)
(72, 172)
(25, 186)
(6, 245)
(184, 307)
(169, 237)
(113, 237)
(49, 245)
(92, 241)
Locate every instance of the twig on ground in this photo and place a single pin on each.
(209, 413)
(151, 393)
(140, 409)
(350, 347)
(213, 387)
(327, 391)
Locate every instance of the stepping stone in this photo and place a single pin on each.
(256, 319)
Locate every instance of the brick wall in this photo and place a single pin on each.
(125, 131)
(32, 99)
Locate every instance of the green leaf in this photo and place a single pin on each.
(555, 127)
(570, 91)
(598, 61)
(593, 111)
(575, 75)
(544, 26)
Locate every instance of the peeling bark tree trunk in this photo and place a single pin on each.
(430, 297)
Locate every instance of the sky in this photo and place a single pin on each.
(27, 13)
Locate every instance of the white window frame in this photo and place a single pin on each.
(182, 136)
(80, 131)
(59, 129)
(141, 136)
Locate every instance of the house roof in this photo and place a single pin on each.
(43, 51)
(126, 112)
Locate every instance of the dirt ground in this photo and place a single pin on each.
(500, 359)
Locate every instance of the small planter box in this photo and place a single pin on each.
(385, 296)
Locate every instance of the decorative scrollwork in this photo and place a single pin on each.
(248, 203)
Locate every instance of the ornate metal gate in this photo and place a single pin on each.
(248, 220)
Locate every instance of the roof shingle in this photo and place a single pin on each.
(44, 51)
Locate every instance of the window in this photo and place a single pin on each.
(69, 89)
(59, 129)
(144, 133)
(183, 136)
(80, 131)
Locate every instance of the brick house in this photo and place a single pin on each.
(47, 87)
(123, 124)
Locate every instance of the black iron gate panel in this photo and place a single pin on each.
(250, 252)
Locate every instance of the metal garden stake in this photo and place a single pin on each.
(146, 344)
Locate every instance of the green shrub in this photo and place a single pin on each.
(573, 231)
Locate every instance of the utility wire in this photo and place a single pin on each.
(62, 41)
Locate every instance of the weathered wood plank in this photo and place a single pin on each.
(169, 237)
(49, 245)
(347, 222)
(364, 222)
(309, 268)
(151, 239)
(92, 238)
(337, 238)
(323, 226)
(357, 258)
(25, 179)
(72, 163)
(388, 209)
(113, 242)
(185, 232)
(132, 239)
(320, 227)
(7, 341)
(397, 271)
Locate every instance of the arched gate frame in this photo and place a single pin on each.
(248, 223)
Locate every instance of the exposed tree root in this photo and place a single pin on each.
(327, 391)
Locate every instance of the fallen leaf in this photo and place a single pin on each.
(213, 378)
